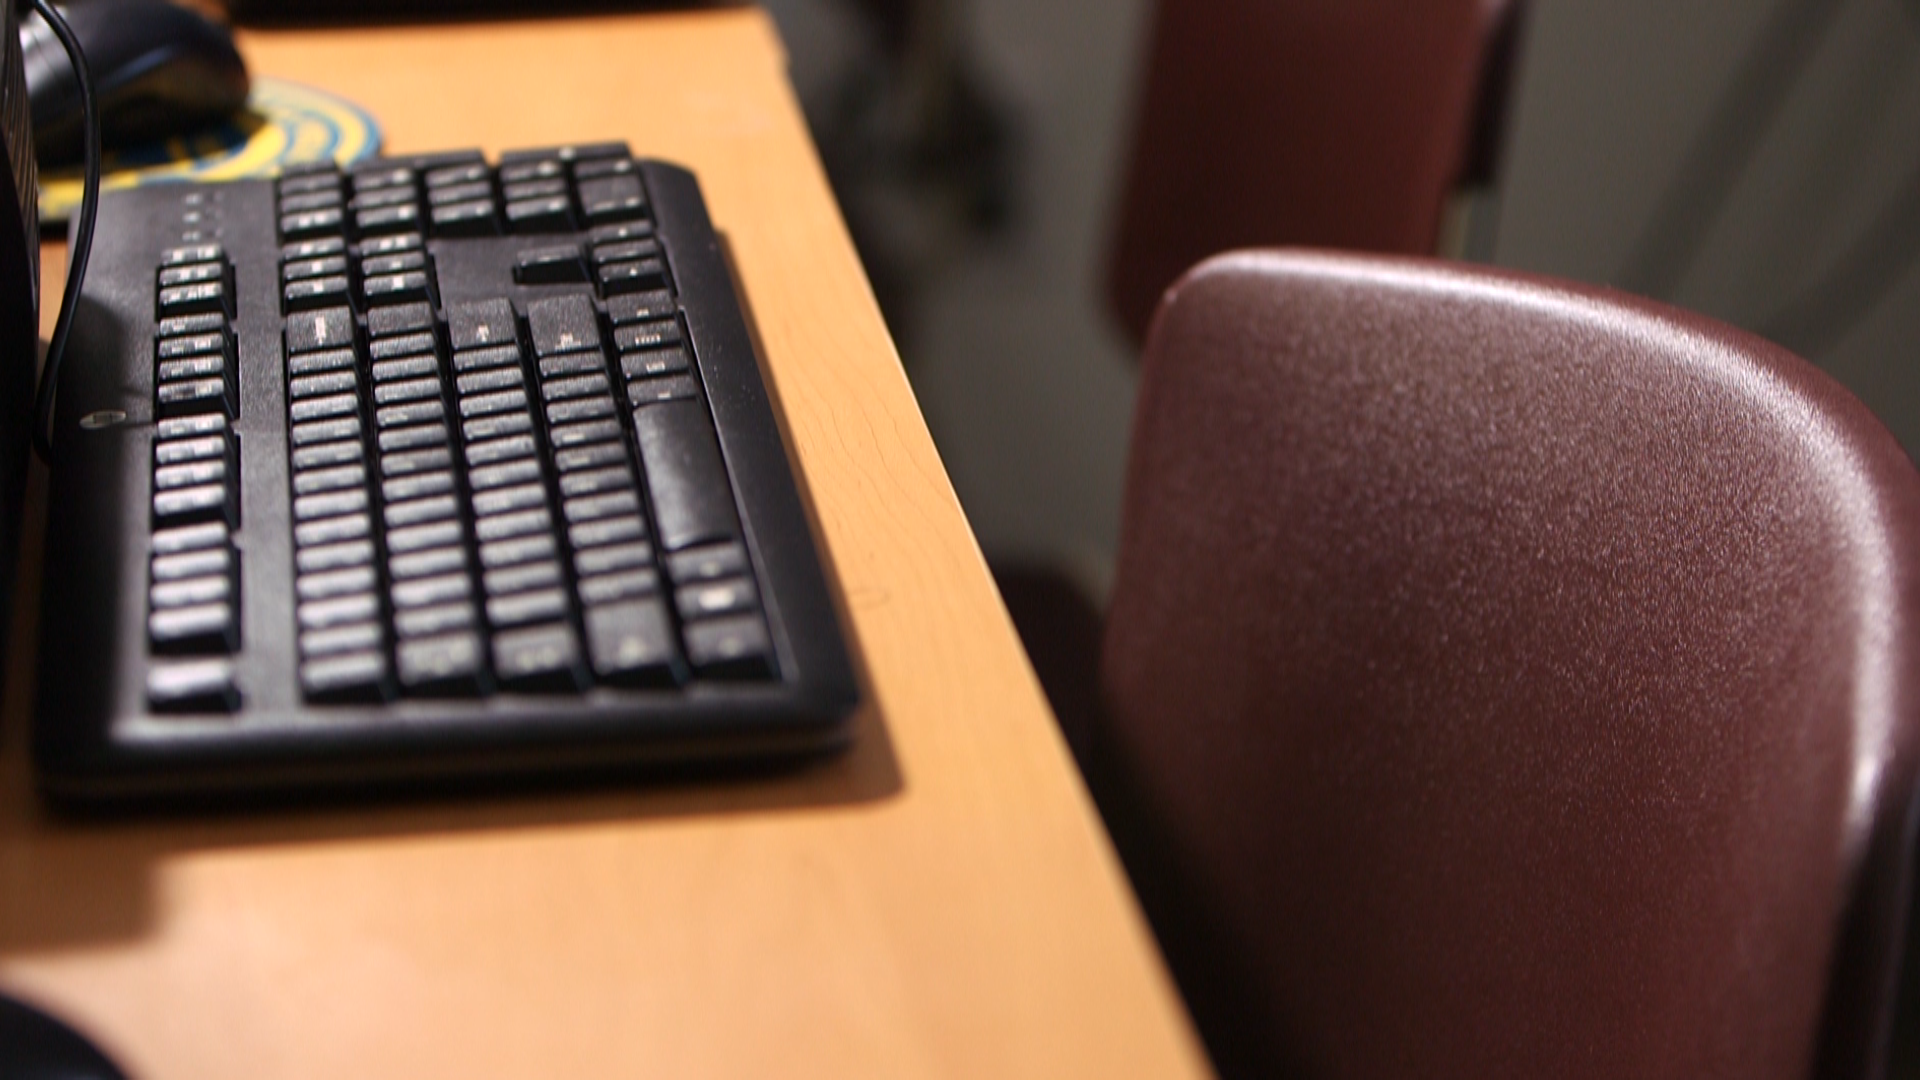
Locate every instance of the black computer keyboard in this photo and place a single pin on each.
(428, 467)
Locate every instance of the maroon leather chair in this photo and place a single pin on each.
(1331, 123)
(1509, 678)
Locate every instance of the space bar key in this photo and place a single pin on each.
(692, 500)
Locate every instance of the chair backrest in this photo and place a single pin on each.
(1509, 678)
(1332, 123)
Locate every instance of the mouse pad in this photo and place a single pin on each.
(283, 124)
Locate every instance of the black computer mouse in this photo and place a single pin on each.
(35, 1046)
(158, 70)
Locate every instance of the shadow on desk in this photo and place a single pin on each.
(68, 882)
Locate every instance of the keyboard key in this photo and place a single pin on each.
(354, 637)
(490, 404)
(692, 498)
(736, 647)
(398, 263)
(395, 319)
(190, 538)
(438, 619)
(186, 592)
(319, 431)
(421, 537)
(493, 451)
(400, 515)
(625, 585)
(550, 266)
(198, 323)
(407, 367)
(310, 223)
(173, 348)
(328, 584)
(328, 455)
(204, 628)
(578, 409)
(192, 253)
(545, 187)
(573, 363)
(488, 380)
(412, 438)
(329, 504)
(563, 324)
(324, 266)
(193, 396)
(520, 172)
(596, 481)
(474, 217)
(319, 247)
(325, 360)
(195, 686)
(433, 561)
(192, 274)
(328, 407)
(585, 433)
(375, 246)
(576, 386)
(376, 198)
(538, 657)
(655, 363)
(595, 507)
(519, 471)
(724, 597)
(417, 485)
(595, 456)
(507, 526)
(606, 531)
(506, 500)
(632, 642)
(207, 366)
(613, 198)
(640, 275)
(708, 563)
(519, 609)
(518, 550)
(208, 502)
(647, 335)
(605, 560)
(429, 591)
(540, 215)
(520, 578)
(326, 329)
(481, 324)
(655, 391)
(413, 412)
(315, 293)
(315, 200)
(333, 530)
(397, 288)
(589, 170)
(334, 478)
(409, 462)
(184, 427)
(386, 219)
(190, 474)
(640, 306)
(350, 676)
(192, 564)
(389, 346)
(495, 356)
(495, 427)
(334, 556)
(612, 251)
(177, 451)
(324, 384)
(394, 393)
(445, 663)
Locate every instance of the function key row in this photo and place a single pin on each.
(193, 621)
(561, 189)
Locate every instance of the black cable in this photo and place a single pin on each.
(83, 235)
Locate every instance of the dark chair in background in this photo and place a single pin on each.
(1508, 678)
(1304, 122)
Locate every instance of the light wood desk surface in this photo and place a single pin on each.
(940, 901)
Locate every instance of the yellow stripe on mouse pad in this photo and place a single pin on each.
(283, 124)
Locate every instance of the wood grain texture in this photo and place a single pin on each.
(939, 902)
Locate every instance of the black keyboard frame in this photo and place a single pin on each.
(95, 742)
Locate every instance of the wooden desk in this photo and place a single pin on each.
(939, 902)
